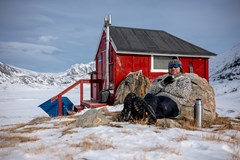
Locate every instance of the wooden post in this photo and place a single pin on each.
(81, 91)
(60, 105)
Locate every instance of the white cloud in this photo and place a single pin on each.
(30, 56)
(47, 38)
(44, 19)
(26, 48)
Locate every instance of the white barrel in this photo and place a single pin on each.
(198, 113)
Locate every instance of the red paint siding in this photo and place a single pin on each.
(100, 67)
(200, 66)
(94, 86)
(186, 63)
(130, 63)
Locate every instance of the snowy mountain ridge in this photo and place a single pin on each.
(226, 66)
(14, 75)
(225, 71)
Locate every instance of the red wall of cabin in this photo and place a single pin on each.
(100, 68)
(200, 66)
(131, 63)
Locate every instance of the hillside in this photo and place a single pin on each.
(225, 71)
(13, 75)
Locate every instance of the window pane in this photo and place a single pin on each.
(161, 62)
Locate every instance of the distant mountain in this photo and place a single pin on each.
(14, 75)
(225, 70)
(226, 65)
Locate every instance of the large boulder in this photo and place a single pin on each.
(134, 82)
(139, 84)
(201, 89)
(92, 118)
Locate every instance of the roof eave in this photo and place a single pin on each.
(163, 54)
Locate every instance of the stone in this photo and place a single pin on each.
(134, 82)
(92, 118)
(201, 89)
(168, 123)
(139, 84)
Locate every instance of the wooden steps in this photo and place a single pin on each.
(86, 104)
(92, 104)
(77, 108)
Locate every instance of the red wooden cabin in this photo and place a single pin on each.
(122, 50)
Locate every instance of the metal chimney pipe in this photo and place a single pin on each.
(107, 23)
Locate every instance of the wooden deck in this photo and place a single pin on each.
(85, 104)
(92, 104)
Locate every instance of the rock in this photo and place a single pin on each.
(168, 123)
(135, 82)
(92, 118)
(201, 89)
(139, 84)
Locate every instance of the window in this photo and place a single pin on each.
(160, 63)
(100, 57)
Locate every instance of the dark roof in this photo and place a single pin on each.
(153, 41)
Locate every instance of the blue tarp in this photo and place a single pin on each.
(51, 108)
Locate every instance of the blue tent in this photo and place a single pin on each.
(51, 108)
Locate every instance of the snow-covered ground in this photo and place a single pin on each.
(55, 139)
(227, 98)
(19, 103)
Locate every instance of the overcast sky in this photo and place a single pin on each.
(52, 35)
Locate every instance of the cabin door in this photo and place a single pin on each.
(195, 65)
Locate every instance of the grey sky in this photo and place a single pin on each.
(52, 35)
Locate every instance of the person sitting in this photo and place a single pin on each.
(164, 99)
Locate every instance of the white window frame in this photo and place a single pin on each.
(152, 65)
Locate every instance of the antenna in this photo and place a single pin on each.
(108, 21)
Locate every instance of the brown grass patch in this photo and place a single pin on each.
(42, 149)
(68, 130)
(181, 138)
(140, 121)
(23, 128)
(235, 155)
(164, 149)
(29, 129)
(115, 125)
(232, 139)
(38, 149)
(226, 123)
(92, 142)
(74, 145)
(223, 123)
(13, 128)
(64, 123)
(217, 138)
(188, 126)
(128, 131)
(39, 120)
(11, 141)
